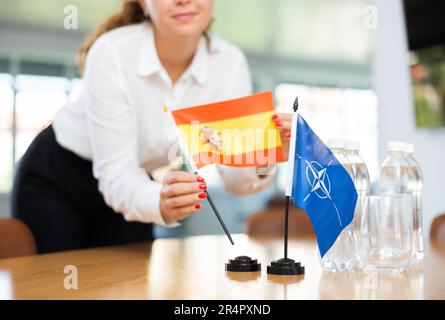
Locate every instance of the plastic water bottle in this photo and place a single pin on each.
(396, 180)
(416, 187)
(341, 256)
(394, 173)
(361, 182)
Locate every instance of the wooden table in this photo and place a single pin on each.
(193, 268)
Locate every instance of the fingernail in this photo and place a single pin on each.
(274, 116)
(200, 179)
(287, 134)
(198, 206)
(279, 123)
(202, 186)
(202, 195)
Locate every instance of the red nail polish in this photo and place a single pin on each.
(198, 206)
(279, 123)
(200, 179)
(202, 186)
(274, 116)
(287, 134)
(202, 195)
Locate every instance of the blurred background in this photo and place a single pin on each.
(366, 70)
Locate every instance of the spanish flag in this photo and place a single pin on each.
(237, 132)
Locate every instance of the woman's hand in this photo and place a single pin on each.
(181, 195)
(284, 123)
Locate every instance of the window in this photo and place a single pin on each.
(247, 23)
(349, 114)
(321, 30)
(36, 101)
(6, 120)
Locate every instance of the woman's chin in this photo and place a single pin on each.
(188, 30)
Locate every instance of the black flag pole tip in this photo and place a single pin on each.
(296, 104)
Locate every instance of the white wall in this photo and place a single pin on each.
(36, 42)
(396, 111)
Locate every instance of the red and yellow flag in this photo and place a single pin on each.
(237, 132)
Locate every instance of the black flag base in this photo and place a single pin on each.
(243, 264)
(285, 267)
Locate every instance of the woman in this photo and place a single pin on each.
(85, 180)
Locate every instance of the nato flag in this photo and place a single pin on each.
(321, 186)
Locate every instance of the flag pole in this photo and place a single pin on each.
(194, 169)
(286, 266)
(286, 226)
(289, 183)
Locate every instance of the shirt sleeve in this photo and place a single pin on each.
(242, 181)
(112, 130)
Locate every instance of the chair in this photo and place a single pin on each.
(270, 222)
(15, 239)
(437, 231)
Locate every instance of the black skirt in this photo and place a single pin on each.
(57, 196)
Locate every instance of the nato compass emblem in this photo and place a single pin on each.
(318, 178)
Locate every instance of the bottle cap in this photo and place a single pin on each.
(409, 148)
(336, 143)
(395, 146)
(352, 145)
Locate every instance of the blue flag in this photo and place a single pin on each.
(321, 186)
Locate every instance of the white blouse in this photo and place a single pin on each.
(118, 121)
